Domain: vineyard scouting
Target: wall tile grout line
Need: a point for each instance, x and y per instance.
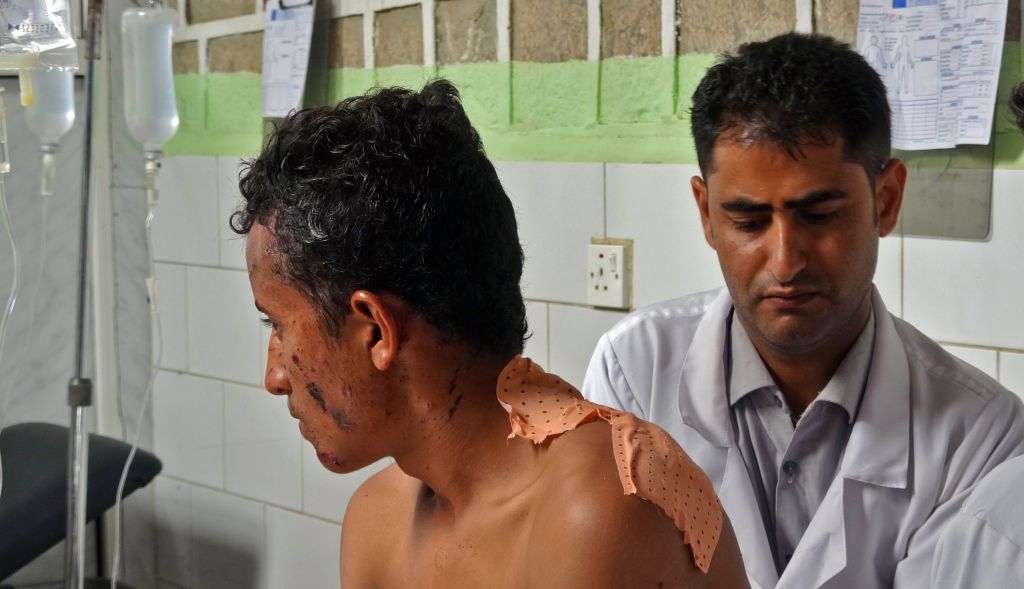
(199, 265)
(224, 435)
(594, 31)
(245, 498)
(427, 10)
(804, 16)
(203, 376)
(668, 28)
(503, 20)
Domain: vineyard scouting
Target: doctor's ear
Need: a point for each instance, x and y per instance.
(889, 186)
(700, 195)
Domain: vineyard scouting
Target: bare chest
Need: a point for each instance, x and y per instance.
(492, 551)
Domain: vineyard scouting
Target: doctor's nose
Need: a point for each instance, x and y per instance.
(276, 379)
(786, 256)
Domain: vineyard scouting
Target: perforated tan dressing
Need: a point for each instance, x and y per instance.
(651, 464)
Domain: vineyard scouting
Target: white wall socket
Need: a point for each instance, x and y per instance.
(610, 273)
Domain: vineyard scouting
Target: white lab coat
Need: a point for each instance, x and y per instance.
(984, 545)
(929, 427)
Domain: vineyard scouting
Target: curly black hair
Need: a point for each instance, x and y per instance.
(794, 90)
(1017, 105)
(392, 192)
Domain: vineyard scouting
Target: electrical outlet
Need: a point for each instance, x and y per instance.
(609, 273)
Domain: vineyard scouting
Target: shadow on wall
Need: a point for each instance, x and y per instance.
(234, 566)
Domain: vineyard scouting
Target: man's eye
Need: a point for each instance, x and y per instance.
(819, 218)
(749, 225)
(268, 323)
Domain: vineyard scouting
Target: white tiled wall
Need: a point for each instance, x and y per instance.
(244, 502)
(239, 504)
(223, 328)
(262, 454)
(559, 207)
(968, 291)
(670, 256)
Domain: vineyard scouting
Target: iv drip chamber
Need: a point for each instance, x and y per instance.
(149, 104)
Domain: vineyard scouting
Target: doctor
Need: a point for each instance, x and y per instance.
(840, 439)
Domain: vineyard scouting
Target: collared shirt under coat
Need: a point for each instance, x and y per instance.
(791, 465)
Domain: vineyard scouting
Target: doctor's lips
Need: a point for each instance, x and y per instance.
(789, 297)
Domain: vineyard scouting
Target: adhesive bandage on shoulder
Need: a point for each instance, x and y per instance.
(651, 464)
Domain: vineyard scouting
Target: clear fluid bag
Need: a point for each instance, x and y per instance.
(36, 34)
(149, 104)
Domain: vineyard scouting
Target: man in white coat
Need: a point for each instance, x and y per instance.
(840, 439)
(984, 546)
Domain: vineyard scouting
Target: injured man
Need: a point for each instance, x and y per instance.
(384, 253)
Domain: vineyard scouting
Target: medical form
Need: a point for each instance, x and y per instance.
(287, 34)
(940, 63)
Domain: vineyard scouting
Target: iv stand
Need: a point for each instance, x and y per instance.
(80, 388)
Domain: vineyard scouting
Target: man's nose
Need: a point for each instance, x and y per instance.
(788, 255)
(276, 379)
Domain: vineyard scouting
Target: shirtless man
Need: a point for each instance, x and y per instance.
(384, 253)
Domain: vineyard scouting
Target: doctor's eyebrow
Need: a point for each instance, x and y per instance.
(743, 204)
(816, 197)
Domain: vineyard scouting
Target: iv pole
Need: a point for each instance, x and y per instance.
(80, 388)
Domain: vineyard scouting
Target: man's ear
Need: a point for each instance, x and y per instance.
(375, 327)
(700, 194)
(889, 185)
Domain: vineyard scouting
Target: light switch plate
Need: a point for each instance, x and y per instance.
(610, 273)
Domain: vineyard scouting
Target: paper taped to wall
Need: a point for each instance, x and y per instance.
(940, 62)
(287, 34)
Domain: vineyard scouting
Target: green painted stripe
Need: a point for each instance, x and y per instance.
(617, 110)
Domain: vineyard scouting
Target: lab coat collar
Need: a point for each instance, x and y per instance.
(878, 452)
(705, 407)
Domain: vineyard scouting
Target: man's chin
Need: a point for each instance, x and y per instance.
(793, 335)
(333, 463)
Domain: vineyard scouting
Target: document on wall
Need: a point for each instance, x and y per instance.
(940, 62)
(287, 34)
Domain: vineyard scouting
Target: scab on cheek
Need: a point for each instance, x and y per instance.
(317, 395)
(342, 420)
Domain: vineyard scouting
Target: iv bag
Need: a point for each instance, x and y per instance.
(53, 113)
(149, 104)
(36, 34)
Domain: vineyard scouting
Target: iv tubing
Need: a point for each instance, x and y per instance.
(20, 370)
(152, 166)
(12, 296)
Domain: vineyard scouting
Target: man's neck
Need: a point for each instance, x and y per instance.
(801, 375)
(457, 441)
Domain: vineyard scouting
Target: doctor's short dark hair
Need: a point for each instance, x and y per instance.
(1017, 105)
(392, 192)
(794, 90)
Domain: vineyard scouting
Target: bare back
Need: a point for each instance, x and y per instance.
(572, 526)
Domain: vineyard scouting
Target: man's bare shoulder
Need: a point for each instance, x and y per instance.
(372, 523)
(615, 539)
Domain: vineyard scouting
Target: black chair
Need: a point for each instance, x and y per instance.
(33, 503)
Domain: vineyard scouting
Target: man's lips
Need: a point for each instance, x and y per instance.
(789, 299)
